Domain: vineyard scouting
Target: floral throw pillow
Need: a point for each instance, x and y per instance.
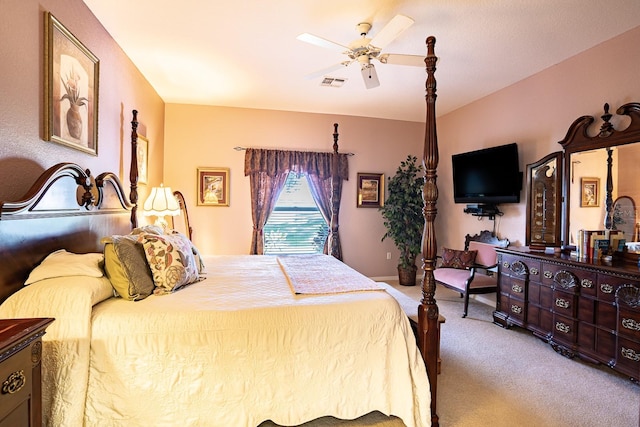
(452, 258)
(171, 261)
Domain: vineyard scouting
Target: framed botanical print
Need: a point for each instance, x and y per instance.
(370, 190)
(213, 186)
(71, 89)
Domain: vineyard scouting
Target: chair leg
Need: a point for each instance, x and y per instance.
(466, 305)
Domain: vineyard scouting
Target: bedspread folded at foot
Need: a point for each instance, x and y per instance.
(313, 277)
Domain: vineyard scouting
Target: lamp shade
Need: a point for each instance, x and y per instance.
(161, 202)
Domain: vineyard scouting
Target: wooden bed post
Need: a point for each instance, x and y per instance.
(428, 313)
(334, 238)
(133, 173)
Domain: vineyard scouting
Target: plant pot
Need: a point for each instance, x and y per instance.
(74, 121)
(407, 275)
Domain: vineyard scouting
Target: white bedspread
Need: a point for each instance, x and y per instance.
(239, 348)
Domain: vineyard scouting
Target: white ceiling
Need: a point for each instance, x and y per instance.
(244, 53)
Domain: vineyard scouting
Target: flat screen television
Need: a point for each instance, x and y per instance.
(488, 176)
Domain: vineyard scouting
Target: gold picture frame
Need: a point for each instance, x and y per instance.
(142, 155)
(71, 89)
(370, 190)
(589, 192)
(213, 186)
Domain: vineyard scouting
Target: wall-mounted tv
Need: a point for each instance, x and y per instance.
(488, 176)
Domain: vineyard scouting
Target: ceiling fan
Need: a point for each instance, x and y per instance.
(364, 49)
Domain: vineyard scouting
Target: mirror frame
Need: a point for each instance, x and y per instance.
(536, 236)
(577, 139)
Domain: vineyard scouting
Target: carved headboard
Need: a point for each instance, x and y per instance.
(66, 208)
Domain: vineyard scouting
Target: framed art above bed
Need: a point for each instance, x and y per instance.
(71, 89)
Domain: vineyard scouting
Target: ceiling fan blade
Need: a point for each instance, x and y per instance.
(393, 29)
(324, 71)
(370, 76)
(400, 59)
(319, 41)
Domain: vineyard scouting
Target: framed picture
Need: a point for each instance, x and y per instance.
(370, 190)
(142, 155)
(71, 89)
(590, 192)
(213, 186)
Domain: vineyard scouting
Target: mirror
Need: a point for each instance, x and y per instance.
(544, 183)
(592, 166)
(603, 164)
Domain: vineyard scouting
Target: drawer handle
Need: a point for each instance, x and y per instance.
(548, 275)
(505, 264)
(14, 382)
(631, 324)
(562, 303)
(533, 271)
(563, 327)
(606, 288)
(630, 354)
(516, 309)
(586, 283)
(516, 288)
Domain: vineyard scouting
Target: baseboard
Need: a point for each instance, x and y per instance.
(384, 278)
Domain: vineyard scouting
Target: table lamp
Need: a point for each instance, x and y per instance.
(161, 202)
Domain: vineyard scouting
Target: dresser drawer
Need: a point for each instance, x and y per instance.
(628, 357)
(607, 286)
(516, 266)
(629, 323)
(564, 329)
(565, 303)
(16, 381)
(514, 308)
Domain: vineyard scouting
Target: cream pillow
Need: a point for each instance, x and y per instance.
(63, 264)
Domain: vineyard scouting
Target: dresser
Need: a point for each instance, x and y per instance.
(20, 371)
(586, 309)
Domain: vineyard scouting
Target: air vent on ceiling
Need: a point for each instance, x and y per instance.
(333, 82)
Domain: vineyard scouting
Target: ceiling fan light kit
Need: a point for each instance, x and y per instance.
(364, 49)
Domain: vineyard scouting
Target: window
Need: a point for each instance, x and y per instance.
(296, 225)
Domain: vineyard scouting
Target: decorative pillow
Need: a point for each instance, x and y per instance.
(452, 258)
(194, 250)
(63, 264)
(171, 260)
(148, 229)
(126, 267)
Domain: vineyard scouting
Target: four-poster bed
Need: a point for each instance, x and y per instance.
(110, 369)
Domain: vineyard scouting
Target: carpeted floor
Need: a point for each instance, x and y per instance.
(508, 378)
(497, 377)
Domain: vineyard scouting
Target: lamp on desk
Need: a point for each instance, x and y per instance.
(161, 202)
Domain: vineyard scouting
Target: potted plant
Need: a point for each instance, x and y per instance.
(403, 217)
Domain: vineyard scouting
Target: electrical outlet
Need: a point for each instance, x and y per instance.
(388, 255)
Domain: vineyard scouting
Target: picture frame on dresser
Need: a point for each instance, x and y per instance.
(71, 89)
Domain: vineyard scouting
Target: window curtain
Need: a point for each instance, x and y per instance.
(268, 170)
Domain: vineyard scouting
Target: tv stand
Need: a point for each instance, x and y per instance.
(483, 210)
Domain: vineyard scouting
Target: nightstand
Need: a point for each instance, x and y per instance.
(20, 371)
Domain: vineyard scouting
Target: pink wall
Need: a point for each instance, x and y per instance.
(205, 136)
(23, 152)
(535, 113)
